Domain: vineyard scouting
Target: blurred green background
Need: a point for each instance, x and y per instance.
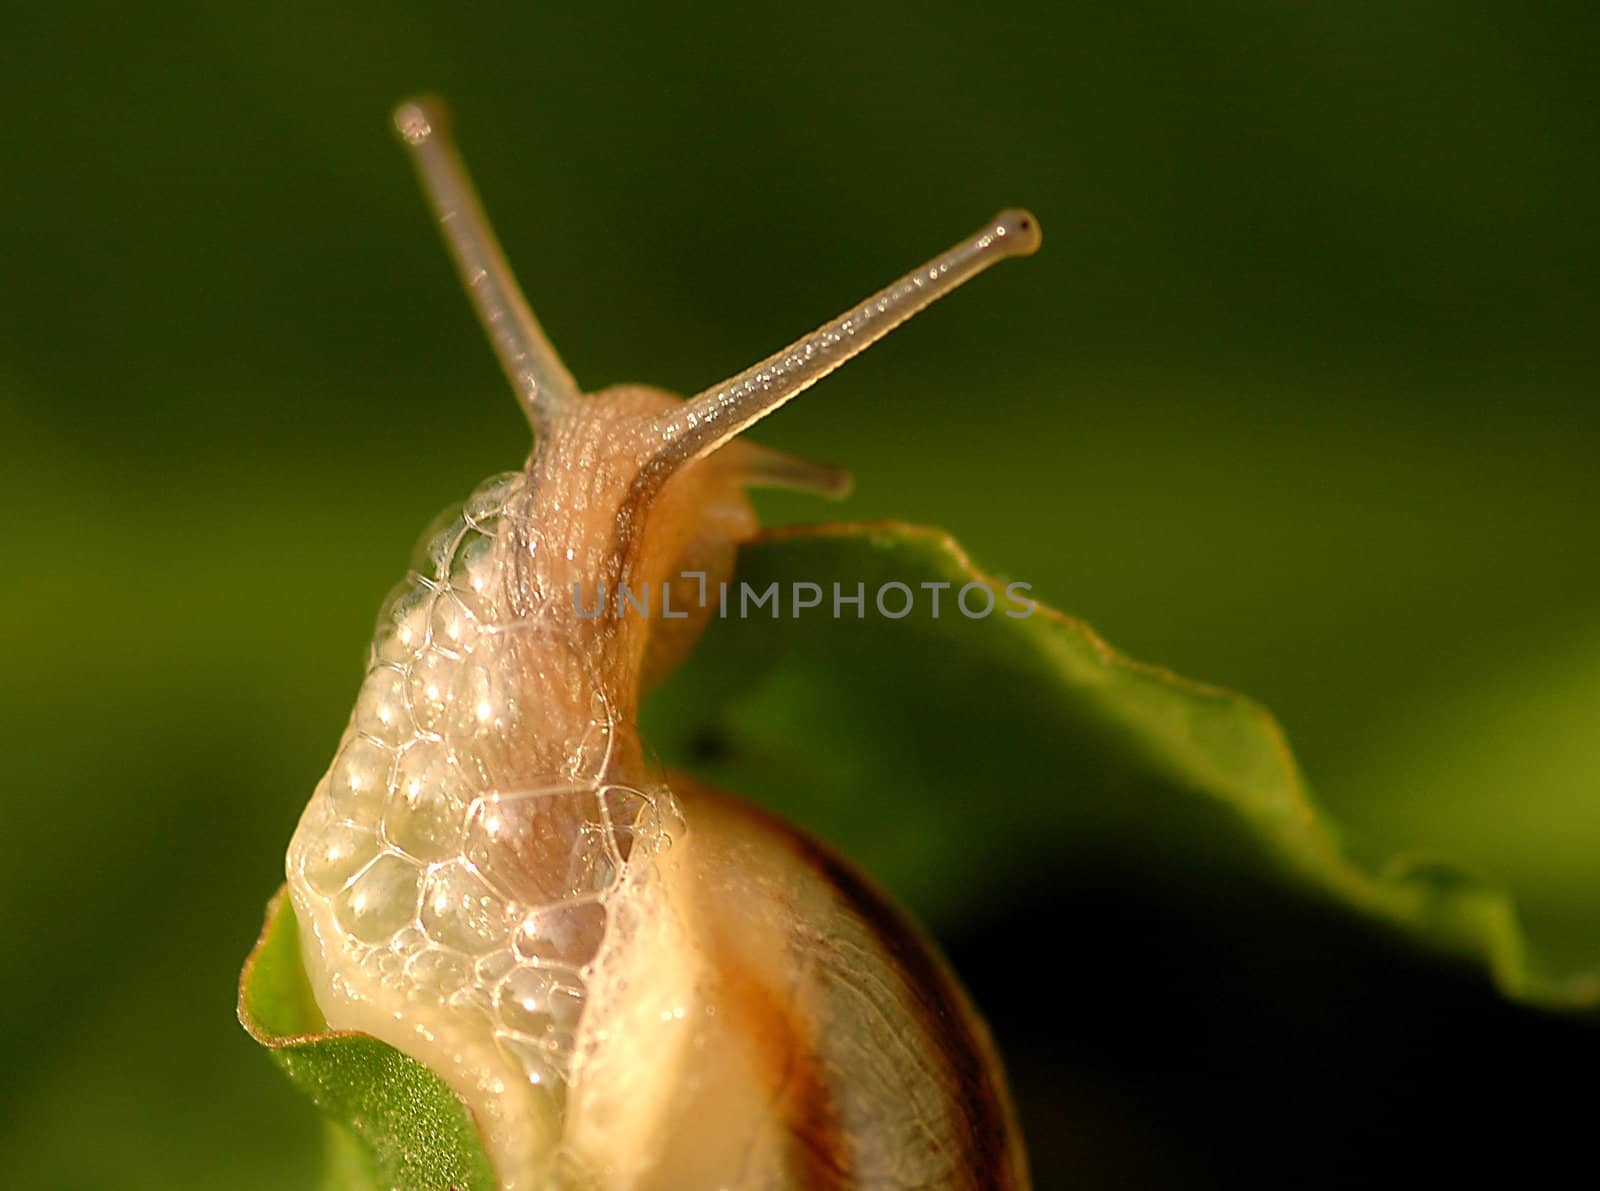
(1299, 397)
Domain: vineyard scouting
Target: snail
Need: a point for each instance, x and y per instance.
(629, 979)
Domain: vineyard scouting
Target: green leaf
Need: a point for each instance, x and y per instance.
(954, 749)
(397, 1124)
(925, 742)
(1492, 762)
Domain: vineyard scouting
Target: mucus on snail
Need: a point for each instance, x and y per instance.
(631, 981)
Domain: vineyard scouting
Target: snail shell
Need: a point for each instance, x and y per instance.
(633, 982)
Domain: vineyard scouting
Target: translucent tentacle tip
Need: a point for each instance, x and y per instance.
(417, 119)
(1016, 232)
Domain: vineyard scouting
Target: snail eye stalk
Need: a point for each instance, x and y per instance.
(543, 384)
(711, 418)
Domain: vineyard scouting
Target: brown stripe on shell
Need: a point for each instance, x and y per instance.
(803, 1099)
(988, 1148)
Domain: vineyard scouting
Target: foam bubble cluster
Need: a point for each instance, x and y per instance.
(458, 865)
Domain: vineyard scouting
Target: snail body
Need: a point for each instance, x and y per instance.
(630, 980)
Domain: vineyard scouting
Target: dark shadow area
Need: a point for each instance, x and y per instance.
(1244, 1041)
